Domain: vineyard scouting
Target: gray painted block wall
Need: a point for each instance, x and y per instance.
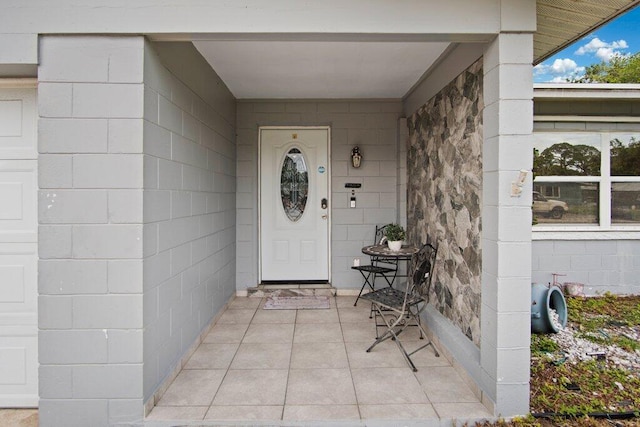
(371, 125)
(189, 206)
(136, 221)
(90, 225)
(601, 265)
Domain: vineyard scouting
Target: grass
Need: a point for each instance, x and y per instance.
(602, 320)
(572, 389)
(582, 388)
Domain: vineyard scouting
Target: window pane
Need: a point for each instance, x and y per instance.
(625, 202)
(565, 202)
(557, 154)
(294, 184)
(625, 155)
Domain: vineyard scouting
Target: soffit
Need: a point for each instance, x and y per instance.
(562, 22)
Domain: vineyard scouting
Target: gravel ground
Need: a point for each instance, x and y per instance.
(576, 348)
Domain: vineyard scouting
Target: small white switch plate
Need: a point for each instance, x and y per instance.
(356, 262)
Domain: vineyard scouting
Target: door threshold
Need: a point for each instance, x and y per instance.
(262, 290)
(294, 285)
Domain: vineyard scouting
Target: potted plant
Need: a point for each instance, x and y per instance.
(395, 235)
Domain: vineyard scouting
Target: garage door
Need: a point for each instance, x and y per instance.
(18, 246)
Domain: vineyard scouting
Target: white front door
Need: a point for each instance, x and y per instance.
(18, 248)
(294, 204)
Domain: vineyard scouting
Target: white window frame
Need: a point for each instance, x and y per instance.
(605, 229)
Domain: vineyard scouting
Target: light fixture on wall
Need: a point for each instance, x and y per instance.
(356, 157)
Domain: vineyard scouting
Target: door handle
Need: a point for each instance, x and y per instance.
(324, 203)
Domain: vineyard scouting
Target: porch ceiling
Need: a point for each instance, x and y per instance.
(320, 69)
(288, 68)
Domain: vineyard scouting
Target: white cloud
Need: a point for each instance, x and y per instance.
(563, 66)
(602, 50)
(540, 69)
(559, 71)
(559, 66)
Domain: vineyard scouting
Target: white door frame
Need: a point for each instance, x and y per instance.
(328, 129)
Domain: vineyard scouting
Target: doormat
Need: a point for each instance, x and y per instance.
(311, 302)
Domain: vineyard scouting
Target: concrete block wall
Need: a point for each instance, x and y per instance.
(188, 205)
(371, 125)
(601, 265)
(90, 226)
(136, 221)
(506, 237)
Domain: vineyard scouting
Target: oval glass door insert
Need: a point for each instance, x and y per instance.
(294, 184)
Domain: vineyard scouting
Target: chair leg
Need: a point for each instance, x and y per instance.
(393, 279)
(416, 316)
(366, 282)
(378, 313)
(402, 323)
(389, 333)
(423, 335)
(373, 288)
(360, 293)
(407, 356)
(429, 343)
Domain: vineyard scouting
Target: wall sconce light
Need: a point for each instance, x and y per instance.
(356, 157)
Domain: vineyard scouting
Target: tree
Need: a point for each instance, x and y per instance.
(625, 158)
(564, 159)
(620, 69)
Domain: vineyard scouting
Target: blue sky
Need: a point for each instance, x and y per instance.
(620, 36)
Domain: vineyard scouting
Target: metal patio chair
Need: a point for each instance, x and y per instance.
(377, 267)
(397, 309)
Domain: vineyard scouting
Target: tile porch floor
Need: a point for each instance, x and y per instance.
(281, 367)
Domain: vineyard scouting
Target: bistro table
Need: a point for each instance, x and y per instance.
(405, 253)
(382, 253)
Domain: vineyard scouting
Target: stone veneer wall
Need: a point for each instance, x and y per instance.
(444, 195)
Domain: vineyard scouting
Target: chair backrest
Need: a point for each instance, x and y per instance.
(422, 268)
(379, 233)
(388, 262)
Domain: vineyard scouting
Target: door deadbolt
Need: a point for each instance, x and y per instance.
(324, 203)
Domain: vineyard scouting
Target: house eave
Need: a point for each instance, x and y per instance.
(570, 91)
(562, 22)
